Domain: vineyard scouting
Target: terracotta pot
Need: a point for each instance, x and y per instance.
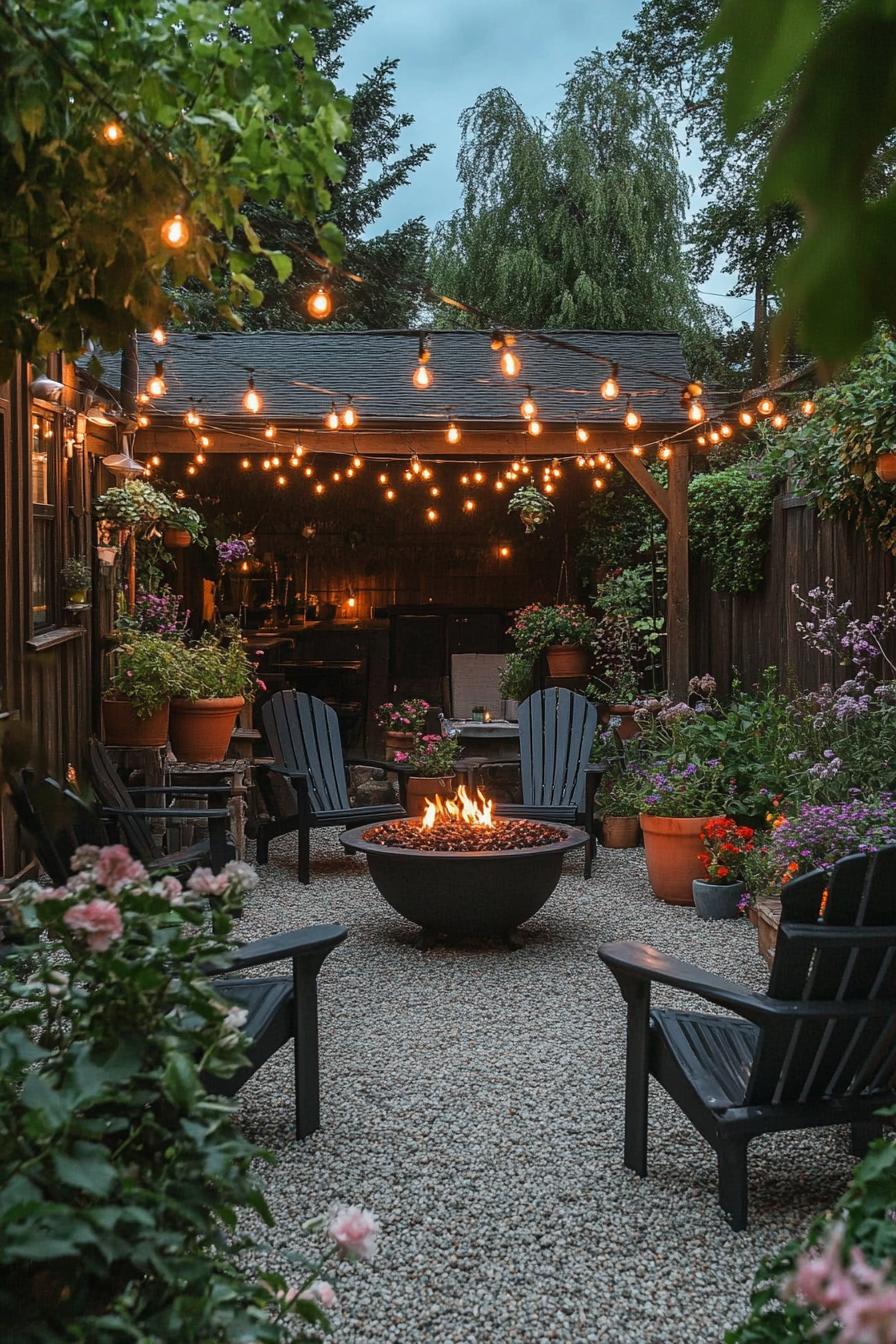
(201, 729)
(397, 742)
(620, 832)
(176, 538)
(122, 727)
(566, 661)
(628, 725)
(421, 787)
(886, 467)
(671, 846)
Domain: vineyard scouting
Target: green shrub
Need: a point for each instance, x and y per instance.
(730, 512)
(146, 671)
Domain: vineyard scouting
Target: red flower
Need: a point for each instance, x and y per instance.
(722, 871)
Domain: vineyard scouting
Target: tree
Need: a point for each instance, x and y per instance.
(393, 263)
(831, 72)
(116, 119)
(576, 221)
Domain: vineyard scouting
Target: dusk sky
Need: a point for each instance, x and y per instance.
(450, 51)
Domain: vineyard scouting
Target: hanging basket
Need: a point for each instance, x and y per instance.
(176, 538)
(885, 466)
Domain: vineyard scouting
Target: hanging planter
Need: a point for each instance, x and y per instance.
(885, 466)
(533, 507)
(176, 538)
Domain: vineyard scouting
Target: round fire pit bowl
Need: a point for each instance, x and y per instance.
(486, 892)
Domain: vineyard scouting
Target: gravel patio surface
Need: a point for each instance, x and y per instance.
(472, 1097)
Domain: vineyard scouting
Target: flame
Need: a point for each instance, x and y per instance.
(470, 811)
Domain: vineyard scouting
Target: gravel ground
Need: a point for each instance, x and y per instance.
(472, 1097)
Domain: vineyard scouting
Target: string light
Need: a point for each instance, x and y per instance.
(252, 401)
(266, 464)
(556, 469)
(422, 377)
(408, 475)
(390, 495)
(715, 436)
(452, 433)
(432, 515)
(159, 336)
(357, 462)
(319, 304)
(701, 440)
(665, 452)
(599, 483)
(293, 461)
(275, 461)
(499, 484)
(383, 478)
(143, 420)
(534, 428)
(609, 388)
(528, 408)
(319, 488)
(807, 407)
(175, 232)
(192, 417)
(270, 431)
(157, 387)
(694, 389)
(582, 434)
(336, 477)
(464, 479)
(504, 552)
(246, 464)
(469, 505)
(309, 472)
(426, 473)
(434, 491)
(778, 421)
(696, 412)
(548, 487)
(590, 462)
(143, 398)
(765, 406)
(478, 476)
(580, 461)
(331, 419)
(156, 460)
(113, 132)
(725, 430)
(349, 415)
(746, 418)
(632, 419)
(281, 480)
(602, 459)
(205, 441)
(191, 469)
(637, 450)
(510, 364)
(416, 465)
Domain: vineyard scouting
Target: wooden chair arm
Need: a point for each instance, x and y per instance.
(170, 813)
(390, 766)
(316, 939)
(181, 790)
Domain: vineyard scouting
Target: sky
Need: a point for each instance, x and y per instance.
(450, 51)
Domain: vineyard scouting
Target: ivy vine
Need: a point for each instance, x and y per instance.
(730, 513)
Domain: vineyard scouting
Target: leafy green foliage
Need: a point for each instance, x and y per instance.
(121, 1176)
(729, 515)
(214, 667)
(838, 117)
(211, 115)
(146, 672)
(832, 456)
(573, 222)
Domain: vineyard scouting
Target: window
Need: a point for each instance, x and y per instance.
(43, 510)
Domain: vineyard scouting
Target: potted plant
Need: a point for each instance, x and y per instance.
(676, 803)
(885, 466)
(133, 506)
(533, 507)
(431, 763)
(136, 702)
(214, 680)
(401, 724)
(182, 526)
(76, 580)
(619, 802)
(725, 847)
(515, 682)
(564, 633)
(628, 636)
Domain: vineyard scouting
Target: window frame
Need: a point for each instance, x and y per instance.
(50, 516)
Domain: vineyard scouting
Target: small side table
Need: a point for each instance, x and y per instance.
(238, 773)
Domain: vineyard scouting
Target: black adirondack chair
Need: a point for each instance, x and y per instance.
(303, 734)
(129, 821)
(54, 821)
(557, 729)
(819, 1048)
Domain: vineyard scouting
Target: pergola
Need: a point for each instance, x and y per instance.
(302, 377)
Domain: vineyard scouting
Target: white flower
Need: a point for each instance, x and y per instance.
(243, 875)
(235, 1018)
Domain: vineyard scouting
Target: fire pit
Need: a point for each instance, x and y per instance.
(460, 870)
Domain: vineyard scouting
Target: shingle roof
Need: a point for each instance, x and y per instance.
(299, 374)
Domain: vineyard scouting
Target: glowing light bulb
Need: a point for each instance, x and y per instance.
(143, 420)
(534, 428)
(319, 488)
(349, 415)
(701, 440)
(159, 336)
(452, 433)
(765, 406)
(434, 491)
(175, 232)
(337, 477)
(266, 464)
(510, 364)
(632, 419)
(778, 421)
(113, 132)
(270, 431)
(582, 434)
(469, 505)
(383, 478)
(695, 389)
(156, 460)
(637, 450)
(580, 461)
(591, 462)
(299, 450)
(275, 461)
(191, 469)
(416, 466)
(357, 462)
(725, 430)
(281, 480)
(319, 304)
(408, 475)
(746, 418)
(157, 387)
(331, 419)
(499, 484)
(548, 487)
(715, 436)
(696, 412)
(504, 552)
(143, 398)
(390, 495)
(665, 452)
(246, 464)
(432, 515)
(426, 473)
(528, 408)
(422, 377)
(598, 483)
(609, 388)
(349, 471)
(807, 407)
(252, 401)
(192, 418)
(464, 480)
(602, 459)
(293, 461)
(478, 477)
(309, 472)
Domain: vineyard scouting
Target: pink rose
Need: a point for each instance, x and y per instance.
(401, 757)
(321, 1292)
(99, 919)
(204, 882)
(170, 888)
(115, 869)
(354, 1230)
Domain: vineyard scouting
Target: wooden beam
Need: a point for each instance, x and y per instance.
(677, 592)
(649, 484)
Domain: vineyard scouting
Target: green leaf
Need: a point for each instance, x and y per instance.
(86, 1167)
(768, 41)
(281, 263)
(38, 1095)
(180, 1081)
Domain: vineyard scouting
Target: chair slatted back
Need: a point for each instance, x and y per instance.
(54, 821)
(836, 944)
(303, 734)
(113, 792)
(557, 730)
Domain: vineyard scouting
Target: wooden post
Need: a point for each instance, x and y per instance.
(677, 601)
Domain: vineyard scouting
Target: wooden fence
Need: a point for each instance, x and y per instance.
(747, 634)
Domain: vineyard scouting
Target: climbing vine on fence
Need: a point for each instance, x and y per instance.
(730, 513)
